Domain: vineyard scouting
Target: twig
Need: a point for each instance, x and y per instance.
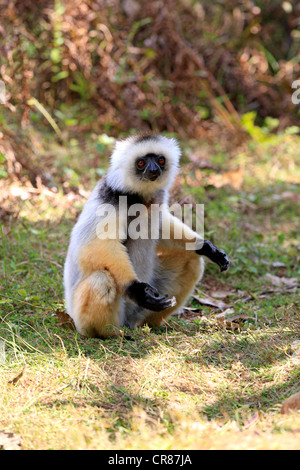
(17, 378)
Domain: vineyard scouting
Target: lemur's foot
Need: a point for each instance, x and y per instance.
(222, 260)
(214, 254)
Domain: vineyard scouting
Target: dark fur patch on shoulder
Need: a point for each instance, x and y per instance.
(110, 196)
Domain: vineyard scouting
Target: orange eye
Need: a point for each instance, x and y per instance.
(161, 161)
(140, 163)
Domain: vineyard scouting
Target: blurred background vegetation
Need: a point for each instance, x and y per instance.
(183, 66)
(79, 73)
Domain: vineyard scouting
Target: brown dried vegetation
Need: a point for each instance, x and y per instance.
(149, 65)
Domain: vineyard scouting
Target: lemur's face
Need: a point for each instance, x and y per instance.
(144, 164)
(150, 167)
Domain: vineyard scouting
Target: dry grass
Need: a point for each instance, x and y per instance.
(177, 390)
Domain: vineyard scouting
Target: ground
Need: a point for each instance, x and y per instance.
(215, 376)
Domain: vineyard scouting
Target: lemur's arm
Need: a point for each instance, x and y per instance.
(179, 235)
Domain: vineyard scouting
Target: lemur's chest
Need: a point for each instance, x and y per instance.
(142, 239)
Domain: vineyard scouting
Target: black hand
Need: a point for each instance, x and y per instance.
(147, 296)
(214, 254)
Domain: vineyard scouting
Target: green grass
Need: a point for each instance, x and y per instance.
(197, 383)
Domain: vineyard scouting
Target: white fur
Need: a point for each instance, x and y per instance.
(104, 286)
(121, 175)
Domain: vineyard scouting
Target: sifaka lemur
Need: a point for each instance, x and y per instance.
(121, 279)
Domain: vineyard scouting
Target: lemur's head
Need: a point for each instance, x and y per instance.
(143, 164)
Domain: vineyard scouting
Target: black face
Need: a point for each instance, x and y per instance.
(150, 166)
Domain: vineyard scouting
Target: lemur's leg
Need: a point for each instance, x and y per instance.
(108, 274)
(96, 306)
(176, 275)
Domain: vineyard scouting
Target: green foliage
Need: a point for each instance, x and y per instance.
(56, 52)
(86, 90)
(263, 134)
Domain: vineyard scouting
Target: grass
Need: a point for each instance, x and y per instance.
(197, 383)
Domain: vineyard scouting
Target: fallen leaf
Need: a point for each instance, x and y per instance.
(275, 264)
(191, 309)
(211, 302)
(189, 313)
(228, 311)
(238, 316)
(221, 318)
(291, 403)
(221, 294)
(280, 281)
(240, 293)
(65, 320)
(278, 264)
(17, 378)
(291, 195)
(266, 293)
(230, 325)
(9, 441)
(234, 321)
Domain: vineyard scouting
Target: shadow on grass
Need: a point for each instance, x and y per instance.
(31, 283)
(234, 406)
